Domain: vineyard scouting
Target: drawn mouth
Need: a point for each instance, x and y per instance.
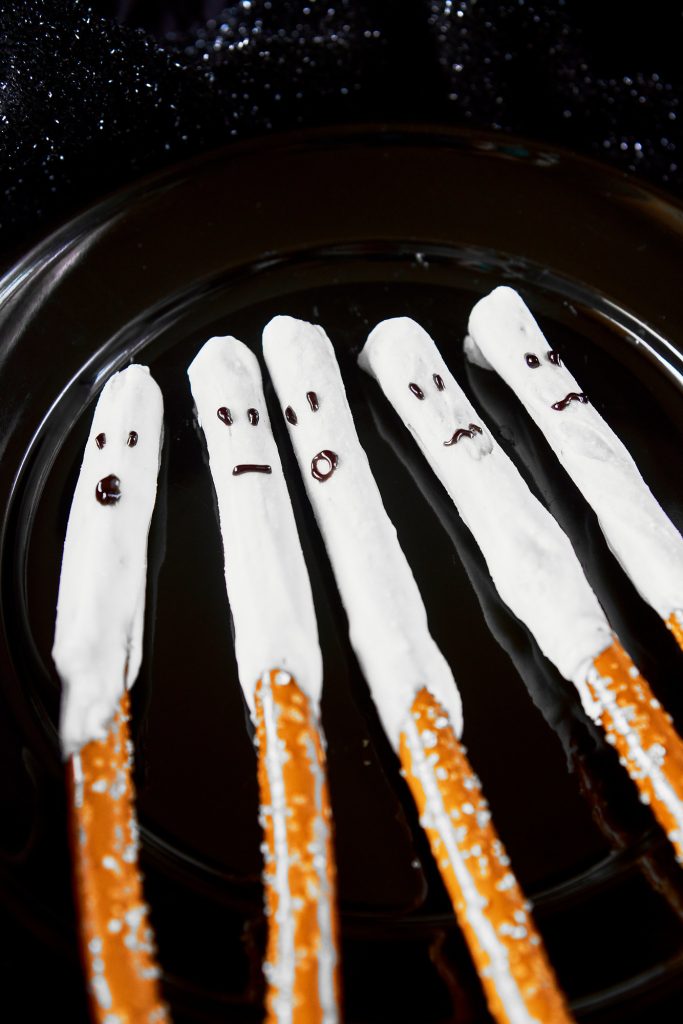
(250, 467)
(108, 490)
(463, 432)
(573, 396)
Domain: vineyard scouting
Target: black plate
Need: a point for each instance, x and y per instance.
(346, 227)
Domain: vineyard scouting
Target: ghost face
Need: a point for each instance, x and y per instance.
(226, 384)
(123, 447)
(108, 489)
(324, 463)
(304, 370)
(411, 372)
(534, 361)
(508, 337)
(251, 416)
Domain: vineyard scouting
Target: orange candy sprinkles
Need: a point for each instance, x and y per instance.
(489, 905)
(116, 938)
(301, 965)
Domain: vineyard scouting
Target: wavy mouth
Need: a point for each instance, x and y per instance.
(573, 396)
(462, 432)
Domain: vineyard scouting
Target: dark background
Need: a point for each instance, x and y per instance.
(94, 95)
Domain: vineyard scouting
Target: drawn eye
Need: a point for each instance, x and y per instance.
(224, 415)
(253, 416)
(291, 416)
(438, 380)
(531, 360)
(132, 439)
(313, 400)
(417, 391)
(554, 357)
(101, 440)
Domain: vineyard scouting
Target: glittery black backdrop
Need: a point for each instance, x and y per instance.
(93, 95)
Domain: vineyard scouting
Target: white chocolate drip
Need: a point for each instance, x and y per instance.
(387, 619)
(530, 559)
(636, 528)
(265, 573)
(100, 608)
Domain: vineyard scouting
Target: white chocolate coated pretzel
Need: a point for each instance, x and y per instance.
(280, 670)
(265, 573)
(387, 619)
(636, 528)
(530, 559)
(408, 676)
(100, 609)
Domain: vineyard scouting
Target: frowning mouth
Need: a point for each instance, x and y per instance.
(573, 396)
(463, 432)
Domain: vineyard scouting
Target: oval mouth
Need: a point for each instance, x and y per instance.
(324, 464)
(108, 490)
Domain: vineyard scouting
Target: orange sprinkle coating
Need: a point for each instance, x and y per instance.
(648, 745)
(518, 981)
(301, 964)
(675, 624)
(116, 938)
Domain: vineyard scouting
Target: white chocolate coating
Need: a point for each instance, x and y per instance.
(265, 573)
(636, 528)
(387, 619)
(530, 559)
(100, 609)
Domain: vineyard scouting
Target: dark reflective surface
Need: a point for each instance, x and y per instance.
(153, 278)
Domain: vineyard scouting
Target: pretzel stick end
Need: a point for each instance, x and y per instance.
(301, 964)
(641, 730)
(489, 905)
(117, 942)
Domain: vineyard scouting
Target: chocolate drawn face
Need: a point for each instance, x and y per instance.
(325, 463)
(553, 356)
(108, 488)
(251, 417)
(461, 433)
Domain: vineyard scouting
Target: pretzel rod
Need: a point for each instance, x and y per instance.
(295, 815)
(504, 336)
(275, 625)
(553, 700)
(528, 556)
(97, 651)
(488, 902)
(116, 938)
(388, 629)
